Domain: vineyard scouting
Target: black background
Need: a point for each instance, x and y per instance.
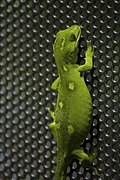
(27, 70)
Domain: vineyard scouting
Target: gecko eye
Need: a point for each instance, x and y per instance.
(73, 37)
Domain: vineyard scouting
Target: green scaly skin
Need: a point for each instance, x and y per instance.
(73, 112)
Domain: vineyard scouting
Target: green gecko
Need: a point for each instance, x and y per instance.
(72, 117)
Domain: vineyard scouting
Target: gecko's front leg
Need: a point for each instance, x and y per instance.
(88, 59)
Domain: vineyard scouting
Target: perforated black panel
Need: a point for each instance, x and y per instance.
(27, 70)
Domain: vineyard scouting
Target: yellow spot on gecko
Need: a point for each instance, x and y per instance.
(71, 86)
(58, 125)
(65, 69)
(61, 104)
(63, 43)
(70, 129)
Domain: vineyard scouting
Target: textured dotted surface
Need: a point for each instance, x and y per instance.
(27, 70)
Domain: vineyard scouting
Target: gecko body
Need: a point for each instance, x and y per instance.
(72, 117)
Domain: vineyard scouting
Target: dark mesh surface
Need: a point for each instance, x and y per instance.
(27, 70)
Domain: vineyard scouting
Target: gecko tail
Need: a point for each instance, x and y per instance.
(61, 168)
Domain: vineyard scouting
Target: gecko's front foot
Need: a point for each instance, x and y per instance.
(90, 51)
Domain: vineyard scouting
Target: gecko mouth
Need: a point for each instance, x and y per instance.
(78, 41)
(76, 47)
(78, 36)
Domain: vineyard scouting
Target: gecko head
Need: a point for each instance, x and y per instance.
(65, 47)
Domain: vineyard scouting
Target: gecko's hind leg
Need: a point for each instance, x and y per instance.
(85, 160)
(52, 115)
(53, 124)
